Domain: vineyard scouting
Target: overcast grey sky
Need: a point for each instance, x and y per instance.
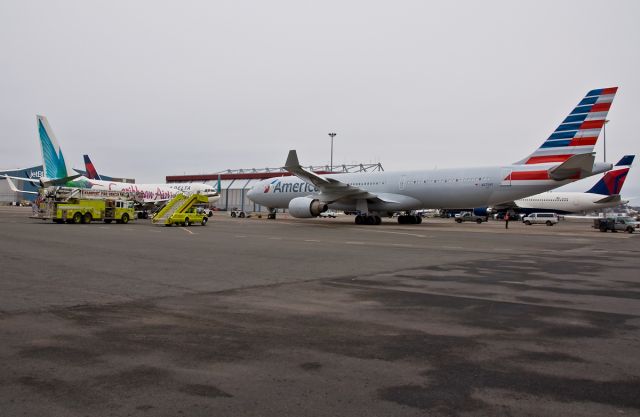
(152, 88)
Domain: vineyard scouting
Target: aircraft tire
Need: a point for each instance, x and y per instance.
(359, 219)
(370, 220)
(378, 220)
(418, 220)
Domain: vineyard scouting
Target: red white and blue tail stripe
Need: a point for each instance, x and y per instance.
(577, 134)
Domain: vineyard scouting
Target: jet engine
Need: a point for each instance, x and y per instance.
(305, 207)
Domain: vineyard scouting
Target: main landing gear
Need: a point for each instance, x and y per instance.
(409, 219)
(371, 219)
(272, 214)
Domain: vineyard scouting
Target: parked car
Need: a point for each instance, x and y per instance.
(541, 218)
(467, 216)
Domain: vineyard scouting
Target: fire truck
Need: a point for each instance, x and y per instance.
(77, 205)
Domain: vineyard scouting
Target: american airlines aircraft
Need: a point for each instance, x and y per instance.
(604, 194)
(57, 173)
(565, 156)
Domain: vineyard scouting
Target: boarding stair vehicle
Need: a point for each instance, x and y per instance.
(615, 224)
(183, 210)
(76, 205)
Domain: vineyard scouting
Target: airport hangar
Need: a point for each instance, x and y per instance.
(234, 184)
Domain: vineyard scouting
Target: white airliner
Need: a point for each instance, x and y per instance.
(604, 194)
(57, 173)
(566, 156)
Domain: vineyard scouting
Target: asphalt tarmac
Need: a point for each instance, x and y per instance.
(320, 317)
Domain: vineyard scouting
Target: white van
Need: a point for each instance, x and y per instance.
(541, 218)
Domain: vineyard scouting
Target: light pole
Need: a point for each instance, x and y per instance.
(604, 139)
(333, 135)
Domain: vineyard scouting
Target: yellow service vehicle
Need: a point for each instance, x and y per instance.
(86, 211)
(183, 210)
(75, 205)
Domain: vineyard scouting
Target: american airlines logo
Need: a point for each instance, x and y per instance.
(277, 186)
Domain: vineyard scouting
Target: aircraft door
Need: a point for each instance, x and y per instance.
(403, 182)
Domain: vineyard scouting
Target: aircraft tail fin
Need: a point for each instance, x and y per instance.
(578, 132)
(92, 174)
(611, 183)
(54, 165)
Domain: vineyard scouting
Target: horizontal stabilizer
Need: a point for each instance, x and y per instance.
(615, 198)
(577, 166)
(59, 181)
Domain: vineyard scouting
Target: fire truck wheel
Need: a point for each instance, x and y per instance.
(77, 218)
(87, 218)
(125, 218)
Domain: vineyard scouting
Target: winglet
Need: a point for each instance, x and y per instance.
(12, 186)
(292, 160)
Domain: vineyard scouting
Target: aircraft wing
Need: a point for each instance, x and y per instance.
(15, 189)
(331, 190)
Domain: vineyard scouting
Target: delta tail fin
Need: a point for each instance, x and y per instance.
(611, 183)
(53, 163)
(578, 132)
(92, 174)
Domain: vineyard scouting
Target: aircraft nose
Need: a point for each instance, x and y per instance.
(251, 192)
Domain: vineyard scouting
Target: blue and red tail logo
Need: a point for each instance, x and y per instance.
(613, 180)
(92, 174)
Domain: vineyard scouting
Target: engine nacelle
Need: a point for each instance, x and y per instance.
(305, 207)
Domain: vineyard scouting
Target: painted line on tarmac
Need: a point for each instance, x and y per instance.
(312, 240)
(188, 231)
